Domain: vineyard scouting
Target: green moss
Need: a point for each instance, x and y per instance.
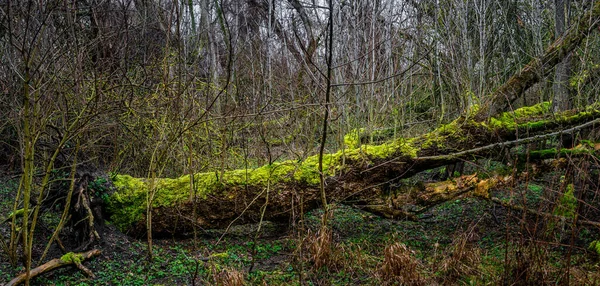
(220, 255)
(402, 146)
(546, 153)
(595, 246)
(568, 203)
(553, 152)
(532, 117)
(72, 258)
(128, 205)
(352, 139)
(510, 120)
(438, 137)
(276, 172)
(579, 78)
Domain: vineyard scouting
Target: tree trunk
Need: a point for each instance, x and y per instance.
(360, 175)
(561, 100)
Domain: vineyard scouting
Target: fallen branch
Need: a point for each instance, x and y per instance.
(544, 214)
(67, 259)
(426, 196)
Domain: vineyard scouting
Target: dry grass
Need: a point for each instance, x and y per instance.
(531, 265)
(351, 259)
(463, 259)
(585, 276)
(319, 247)
(229, 277)
(401, 267)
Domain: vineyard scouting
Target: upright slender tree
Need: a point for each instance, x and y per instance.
(562, 99)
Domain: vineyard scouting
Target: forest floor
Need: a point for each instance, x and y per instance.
(467, 241)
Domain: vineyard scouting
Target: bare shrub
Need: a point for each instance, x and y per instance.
(530, 264)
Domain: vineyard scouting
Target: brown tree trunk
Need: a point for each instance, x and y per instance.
(561, 99)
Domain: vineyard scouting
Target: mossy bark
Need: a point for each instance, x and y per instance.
(357, 175)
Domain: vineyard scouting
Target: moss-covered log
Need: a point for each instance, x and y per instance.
(358, 174)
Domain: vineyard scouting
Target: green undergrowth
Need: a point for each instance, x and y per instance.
(459, 242)
(567, 204)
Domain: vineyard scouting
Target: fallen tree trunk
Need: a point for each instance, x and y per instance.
(67, 259)
(354, 174)
(360, 175)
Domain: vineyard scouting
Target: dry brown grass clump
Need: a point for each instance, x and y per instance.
(401, 267)
(463, 259)
(319, 247)
(583, 276)
(229, 277)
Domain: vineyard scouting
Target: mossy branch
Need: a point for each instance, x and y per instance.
(67, 259)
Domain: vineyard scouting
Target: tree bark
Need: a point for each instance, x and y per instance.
(561, 100)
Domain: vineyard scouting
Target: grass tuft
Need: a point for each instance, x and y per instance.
(401, 266)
